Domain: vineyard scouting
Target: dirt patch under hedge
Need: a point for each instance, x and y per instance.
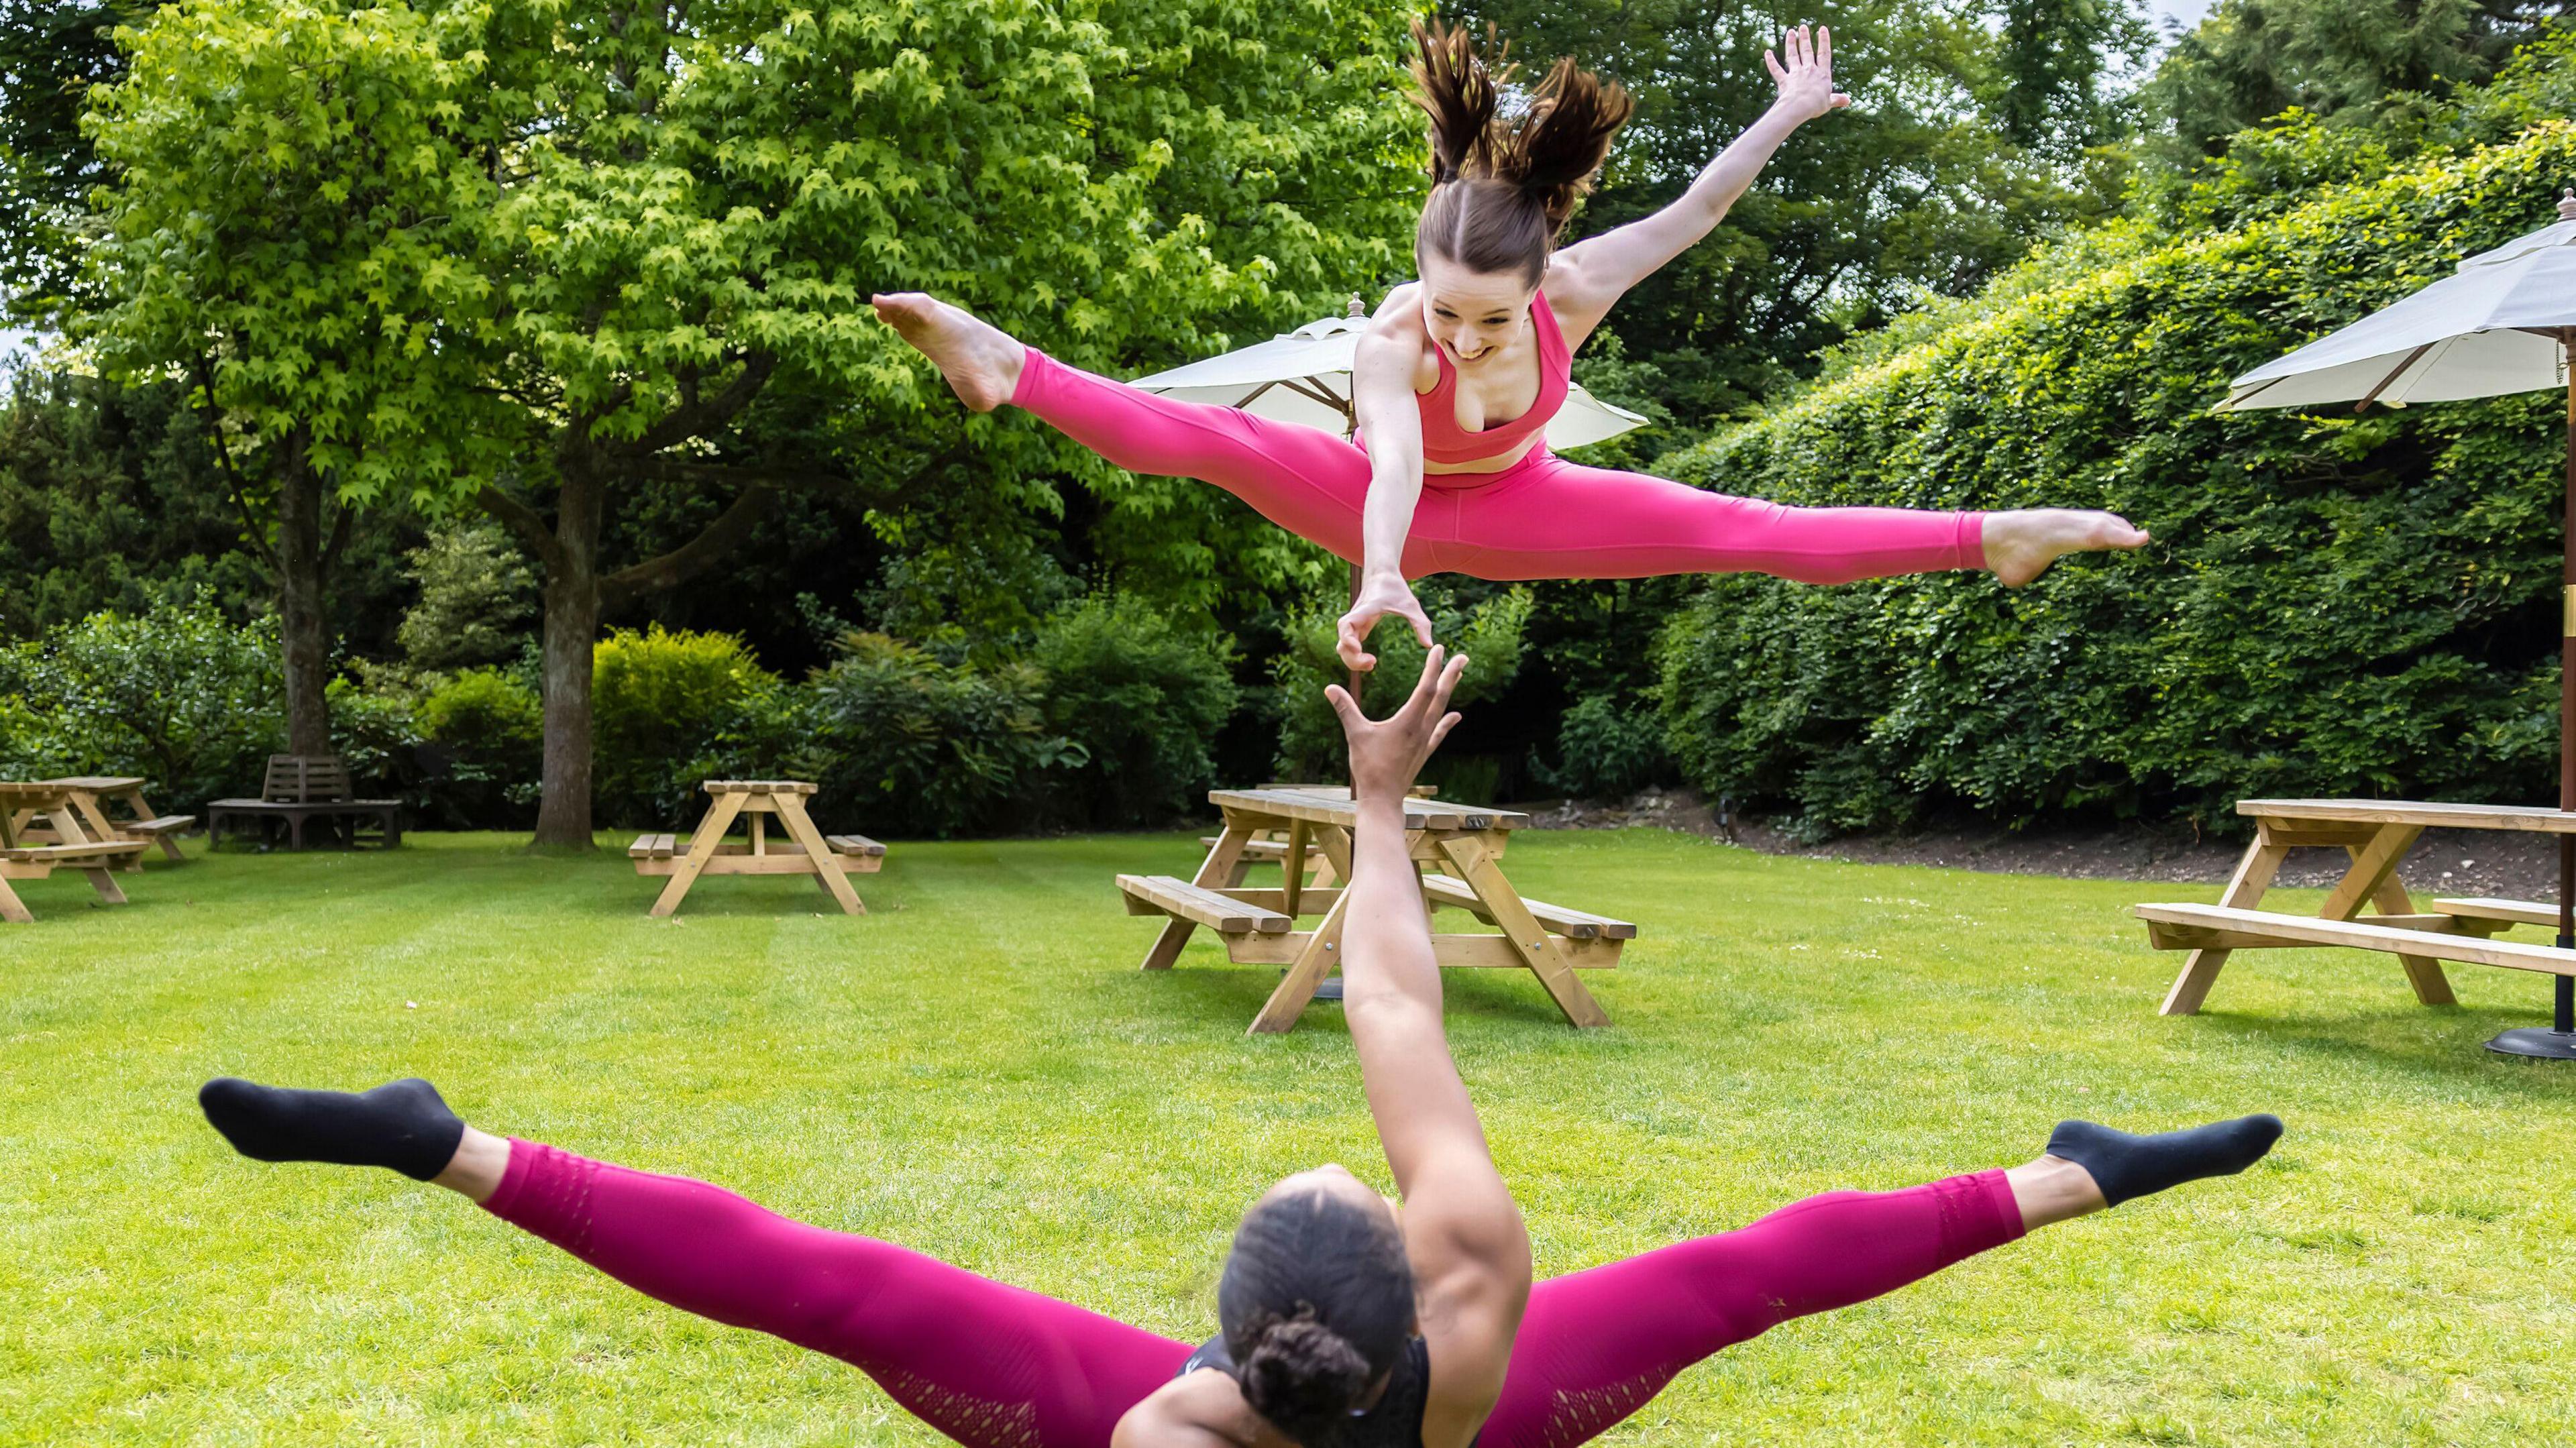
(2443, 862)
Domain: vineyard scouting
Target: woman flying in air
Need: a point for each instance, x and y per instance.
(1459, 373)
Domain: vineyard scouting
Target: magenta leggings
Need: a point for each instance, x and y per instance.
(1543, 517)
(999, 1367)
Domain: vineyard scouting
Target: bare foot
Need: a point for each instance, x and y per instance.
(2021, 544)
(981, 362)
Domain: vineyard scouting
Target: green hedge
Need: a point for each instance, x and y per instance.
(2334, 604)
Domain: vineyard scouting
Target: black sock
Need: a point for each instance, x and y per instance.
(2126, 1166)
(402, 1124)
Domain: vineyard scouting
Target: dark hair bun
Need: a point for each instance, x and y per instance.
(1303, 1377)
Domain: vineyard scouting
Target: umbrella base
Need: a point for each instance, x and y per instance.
(2537, 1043)
(2558, 1043)
(1327, 989)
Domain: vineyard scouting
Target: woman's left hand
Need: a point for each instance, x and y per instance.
(1807, 81)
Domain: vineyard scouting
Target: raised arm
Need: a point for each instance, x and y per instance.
(1469, 1249)
(1585, 278)
(1383, 374)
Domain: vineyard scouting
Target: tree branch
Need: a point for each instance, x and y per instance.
(525, 521)
(339, 539)
(691, 558)
(694, 416)
(686, 470)
(255, 535)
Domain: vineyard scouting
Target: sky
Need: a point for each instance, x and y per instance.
(2188, 12)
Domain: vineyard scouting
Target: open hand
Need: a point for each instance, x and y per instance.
(1386, 754)
(1807, 81)
(1380, 594)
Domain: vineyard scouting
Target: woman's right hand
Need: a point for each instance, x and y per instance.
(1380, 594)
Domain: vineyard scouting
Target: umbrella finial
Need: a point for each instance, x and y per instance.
(1360, 309)
(2567, 204)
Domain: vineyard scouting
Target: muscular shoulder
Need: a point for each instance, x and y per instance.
(1202, 1410)
(1395, 338)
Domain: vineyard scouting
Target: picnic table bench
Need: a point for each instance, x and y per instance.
(806, 850)
(2375, 835)
(47, 809)
(302, 787)
(90, 796)
(1456, 851)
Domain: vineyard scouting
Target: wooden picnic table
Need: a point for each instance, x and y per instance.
(91, 794)
(806, 850)
(1456, 850)
(45, 810)
(2375, 835)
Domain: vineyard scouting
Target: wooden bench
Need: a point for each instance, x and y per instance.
(301, 787)
(1449, 892)
(2220, 927)
(658, 854)
(1178, 898)
(98, 859)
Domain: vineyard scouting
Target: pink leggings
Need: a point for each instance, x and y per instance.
(998, 1367)
(1542, 517)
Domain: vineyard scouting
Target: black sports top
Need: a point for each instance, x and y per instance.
(1395, 1421)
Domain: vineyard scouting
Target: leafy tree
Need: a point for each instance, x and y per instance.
(2051, 62)
(475, 593)
(706, 200)
(2251, 60)
(180, 694)
(275, 234)
(106, 504)
(51, 53)
(1912, 192)
(599, 237)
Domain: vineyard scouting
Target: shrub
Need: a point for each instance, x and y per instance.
(2335, 604)
(486, 729)
(179, 695)
(1608, 748)
(908, 744)
(656, 698)
(1141, 700)
(1484, 625)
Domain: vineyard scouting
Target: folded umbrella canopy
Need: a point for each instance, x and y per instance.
(2504, 322)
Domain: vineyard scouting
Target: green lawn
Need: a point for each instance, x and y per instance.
(976, 1070)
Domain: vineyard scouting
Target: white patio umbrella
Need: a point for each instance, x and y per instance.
(1305, 376)
(2504, 322)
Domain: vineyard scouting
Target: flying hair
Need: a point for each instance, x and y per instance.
(1504, 187)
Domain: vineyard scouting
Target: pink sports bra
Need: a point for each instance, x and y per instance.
(1444, 441)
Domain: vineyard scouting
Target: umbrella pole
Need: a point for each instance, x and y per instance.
(2558, 1043)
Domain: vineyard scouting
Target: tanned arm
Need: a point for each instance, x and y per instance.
(1383, 373)
(1462, 1231)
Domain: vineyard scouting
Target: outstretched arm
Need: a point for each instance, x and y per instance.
(1469, 1249)
(1585, 278)
(1383, 372)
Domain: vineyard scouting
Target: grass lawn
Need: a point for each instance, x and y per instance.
(976, 1070)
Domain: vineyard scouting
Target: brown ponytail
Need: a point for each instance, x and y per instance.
(1503, 189)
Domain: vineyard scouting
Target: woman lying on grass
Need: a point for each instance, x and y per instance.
(1349, 1320)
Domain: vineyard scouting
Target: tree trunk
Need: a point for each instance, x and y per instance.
(571, 627)
(299, 602)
